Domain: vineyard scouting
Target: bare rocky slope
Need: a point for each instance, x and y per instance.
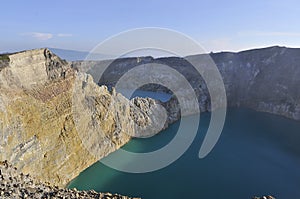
(14, 184)
(262, 79)
(56, 122)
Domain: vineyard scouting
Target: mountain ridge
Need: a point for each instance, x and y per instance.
(262, 79)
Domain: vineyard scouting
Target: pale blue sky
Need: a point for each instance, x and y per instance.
(217, 25)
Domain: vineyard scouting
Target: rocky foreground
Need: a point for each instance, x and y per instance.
(264, 197)
(15, 184)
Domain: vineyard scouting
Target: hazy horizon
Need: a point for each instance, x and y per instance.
(143, 54)
(215, 25)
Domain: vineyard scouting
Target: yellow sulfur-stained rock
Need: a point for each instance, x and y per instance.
(55, 122)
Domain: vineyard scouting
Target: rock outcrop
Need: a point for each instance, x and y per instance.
(15, 184)
(262, 79)
(55, 122)
(264, 197)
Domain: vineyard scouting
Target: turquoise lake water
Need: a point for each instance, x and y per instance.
(257, 154)
(140, 93)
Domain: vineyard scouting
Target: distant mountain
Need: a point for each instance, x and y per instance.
(73, 55)
(265, 79)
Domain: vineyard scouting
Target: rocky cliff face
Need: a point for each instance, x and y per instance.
(263, 79)
(55, 122)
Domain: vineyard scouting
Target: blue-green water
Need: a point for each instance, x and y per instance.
(257, 154)
(162, 96)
